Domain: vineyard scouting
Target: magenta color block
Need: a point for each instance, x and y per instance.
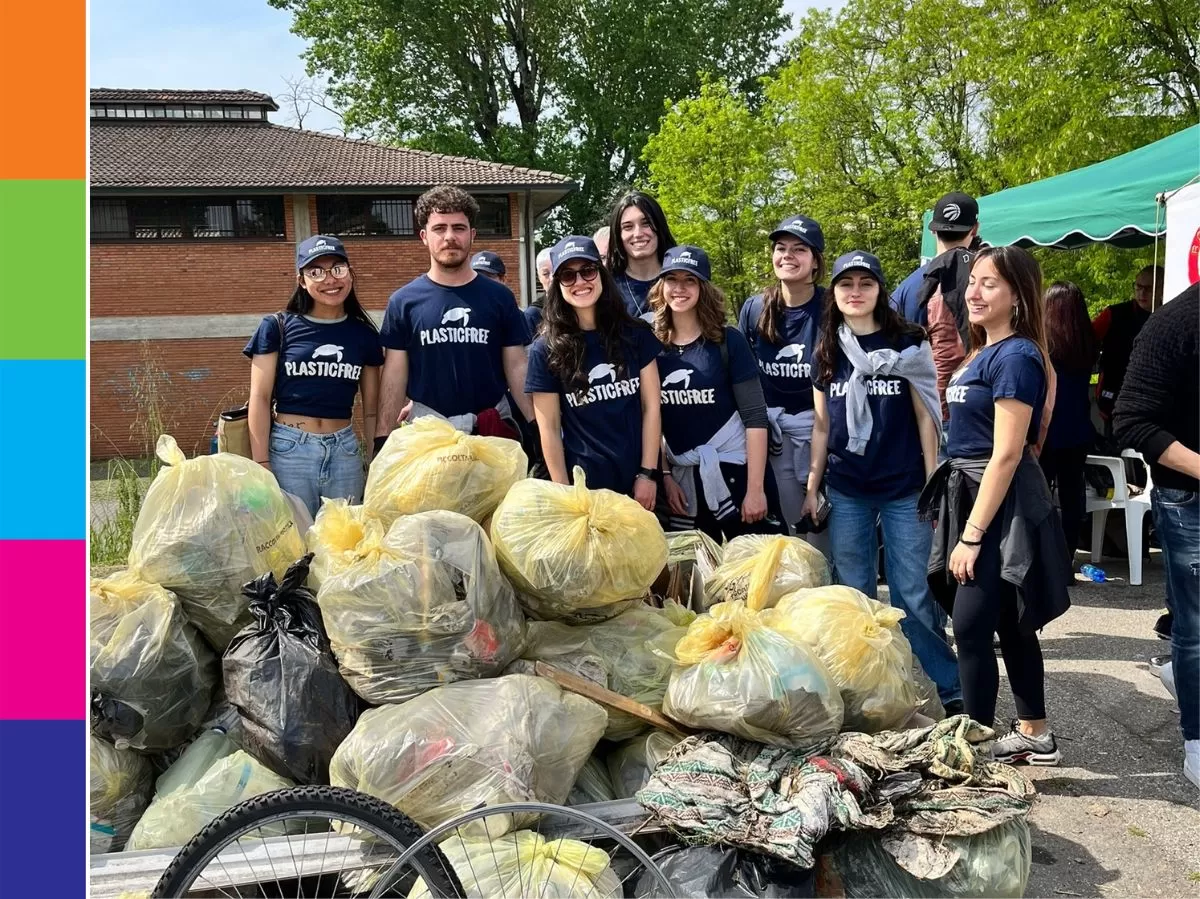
(43, 623)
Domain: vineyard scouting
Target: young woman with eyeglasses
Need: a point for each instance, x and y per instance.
(593, 379)
(302, 401)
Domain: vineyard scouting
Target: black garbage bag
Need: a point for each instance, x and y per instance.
(281, 676)
(708, 872)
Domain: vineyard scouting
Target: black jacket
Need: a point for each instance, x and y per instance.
(1033, 550)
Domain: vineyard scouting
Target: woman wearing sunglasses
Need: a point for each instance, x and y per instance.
(593, 379)
(302, 399)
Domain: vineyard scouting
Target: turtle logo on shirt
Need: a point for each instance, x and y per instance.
(328, 349)
(791, 351)
(787, 363)
(679, 376)
(602, 371)
(461, 314)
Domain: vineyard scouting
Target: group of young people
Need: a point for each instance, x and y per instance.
(823, 413)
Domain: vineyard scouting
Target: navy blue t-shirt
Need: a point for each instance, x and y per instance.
(697, 391)
(786, 368)
(1071, 423)
(322, 362)
(892, 465)
(904, 298)
(634, 294)
(533, 320)
(1010, 369)
(454, 337)
(602, 426)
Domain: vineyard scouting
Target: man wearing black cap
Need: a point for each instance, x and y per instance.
(955, 225)
(489, 265)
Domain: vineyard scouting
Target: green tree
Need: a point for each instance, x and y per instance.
(575, 87)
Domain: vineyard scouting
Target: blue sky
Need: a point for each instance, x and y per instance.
(214, 44)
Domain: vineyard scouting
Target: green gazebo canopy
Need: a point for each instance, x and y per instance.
(1114, 201)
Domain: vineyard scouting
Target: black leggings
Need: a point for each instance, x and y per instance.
(733, 526)
(1064, 469)
(984, 606)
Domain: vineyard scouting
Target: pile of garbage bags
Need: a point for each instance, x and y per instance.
(207, 526)
(860, 641)
(759, 570)
(576, 555)
(631, 763)
(151, 674)
(722, 872)
(122, 783)
(420, 605)
(741, 673)
(429, 465)
(514, 738)
(333, 539)
(295, 708)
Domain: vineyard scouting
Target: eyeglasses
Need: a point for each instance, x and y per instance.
(316, 273)
(588, 272)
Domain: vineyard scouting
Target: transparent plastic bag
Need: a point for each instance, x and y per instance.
(508, 739)
(525, 865)
(593, 783)
(574, 554)
(427, 465)
(174, 818)
(631, 763)
(201, 754)
(333, 538)
(860, 641)
(421, 606)
(152, 676)
(208, 526)
(121, 784)
(994, 863)
(759, 570)
(740, 676)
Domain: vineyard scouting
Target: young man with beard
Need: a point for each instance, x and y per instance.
(455, 339)
(639, 237)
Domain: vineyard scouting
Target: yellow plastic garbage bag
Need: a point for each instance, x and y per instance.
(759, 570)
(484, 742)
(152, 676)
(429, 465)
(421, 605)
(121, 784)
(860, 641)
(738, 675)
(574, 554)
(631, 763)
(208, 526)
(525, 865)
(333, 539)
(174, 818)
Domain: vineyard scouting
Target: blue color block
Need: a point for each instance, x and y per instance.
(43, 440)
(43, 798)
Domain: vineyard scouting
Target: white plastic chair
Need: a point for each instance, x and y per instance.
(1135, 505)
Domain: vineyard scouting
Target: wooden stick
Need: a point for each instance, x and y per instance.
(593, 691)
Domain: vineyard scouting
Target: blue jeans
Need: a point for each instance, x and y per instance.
(906, 545)
(310, 466)
(1177, 519)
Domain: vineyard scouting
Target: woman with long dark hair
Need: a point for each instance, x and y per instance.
(306, 366)
(593, 379)
(638, 238)
(1073, 352)
(998, 534)
(782, 325)
(714, 418)
(876, 431)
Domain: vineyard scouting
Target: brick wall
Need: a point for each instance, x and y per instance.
(192, 380)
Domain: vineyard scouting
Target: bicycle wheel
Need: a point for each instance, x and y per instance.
(564, 852)
(314, 842)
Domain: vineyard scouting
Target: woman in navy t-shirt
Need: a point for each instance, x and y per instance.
(714, 418)
(782, 325)
(875, 441)
(996, 518)
(593, 379)
(301, 401)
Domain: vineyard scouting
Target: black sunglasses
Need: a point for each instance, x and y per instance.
(588, 272)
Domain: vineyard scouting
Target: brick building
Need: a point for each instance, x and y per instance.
(197, 204)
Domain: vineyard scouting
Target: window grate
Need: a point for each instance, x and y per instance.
(187, 218)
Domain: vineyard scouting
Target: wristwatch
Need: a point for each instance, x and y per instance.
(649, 474)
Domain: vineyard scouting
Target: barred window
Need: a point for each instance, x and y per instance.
(186, 218)
(494, 219)
(358, 215)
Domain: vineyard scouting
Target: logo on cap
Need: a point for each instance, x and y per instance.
(858, 260)
(951, 212)
(570, 245)
(686, 254)
(798, 225)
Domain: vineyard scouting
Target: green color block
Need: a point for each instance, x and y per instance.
(43, 232)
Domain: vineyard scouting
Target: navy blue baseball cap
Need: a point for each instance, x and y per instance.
(687, 258)
(574, 247)
(318, 245)
(857, 261)
(487, 261)
(804, 229)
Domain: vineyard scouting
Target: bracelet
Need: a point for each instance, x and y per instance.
(643, 476)
(977, 527)
(650, 474)
(970, 542)
(263, 461)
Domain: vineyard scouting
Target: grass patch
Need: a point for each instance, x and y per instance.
(112, 537)
(1135, 831)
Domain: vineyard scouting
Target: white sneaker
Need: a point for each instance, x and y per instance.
(1191, 761)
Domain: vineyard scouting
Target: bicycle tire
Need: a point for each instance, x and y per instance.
(346, 804)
